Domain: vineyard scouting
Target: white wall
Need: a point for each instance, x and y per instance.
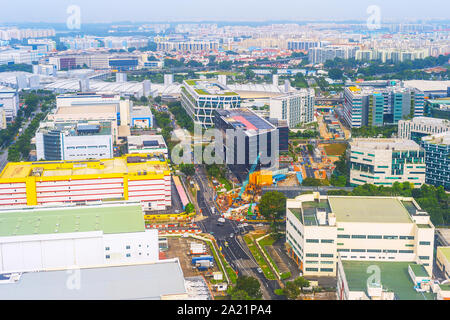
(84, 249)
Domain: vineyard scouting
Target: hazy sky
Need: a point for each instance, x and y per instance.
(225, 10)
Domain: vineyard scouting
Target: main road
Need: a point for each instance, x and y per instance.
(229, 237)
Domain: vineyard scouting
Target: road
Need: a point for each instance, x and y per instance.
(228, 235)
(4, 155)
(229, 238)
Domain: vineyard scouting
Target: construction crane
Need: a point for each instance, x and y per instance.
(245, 183)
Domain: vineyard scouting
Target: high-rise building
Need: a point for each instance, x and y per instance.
(201, 97)
(384, 161)
(294, 107)
(437, 159)
(245, 136)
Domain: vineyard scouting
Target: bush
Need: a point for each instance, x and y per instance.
(285, 275)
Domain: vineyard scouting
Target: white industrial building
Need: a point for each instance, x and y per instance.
(58, 238)
(294, 107)
(383, 162)
(379, 229)
(9, 99)
(418, 127)
(74, 141)
(152, 144)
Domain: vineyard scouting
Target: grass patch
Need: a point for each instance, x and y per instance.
(335, 149)
(259, 257)
(268, 241)
(231, 273)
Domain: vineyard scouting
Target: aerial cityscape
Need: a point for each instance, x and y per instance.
(187, 151)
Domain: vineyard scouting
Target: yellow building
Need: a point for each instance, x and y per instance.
(136, 177)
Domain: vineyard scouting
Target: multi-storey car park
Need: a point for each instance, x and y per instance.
(385, 161)
(138, 177)
(378, 229)
(201, 97)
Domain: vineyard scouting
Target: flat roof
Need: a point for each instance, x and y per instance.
(209, 87)
(124, 282)
(87, 109)
(120, 218)
(120, 165)
(445, 252)
(384, 144)
(394, 277)
(369, 209)
(244, 119)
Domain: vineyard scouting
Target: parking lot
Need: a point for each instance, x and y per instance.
(179, 247)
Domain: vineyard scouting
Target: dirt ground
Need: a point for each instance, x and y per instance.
(179, 247)
(319, 296)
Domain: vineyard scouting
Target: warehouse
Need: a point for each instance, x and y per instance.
(59, 237)
(318, 228)
(162, 280)
(137, 177)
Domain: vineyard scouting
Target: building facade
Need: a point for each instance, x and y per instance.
(295, 108)
(319, 228)
(384, 161)
(201, 97)
(74, 141)
(62, 237)
(437, 159)
(137, 177)
(419, 127)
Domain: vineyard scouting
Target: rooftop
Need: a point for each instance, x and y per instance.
(445, 251)
(209, 87)
(152, 141)
(79, 128)
(244, 119)
(82, 110)
(384, 144)
(440, 138)
(394, 277)
(136, 164)
(117, 218)
(429, 121)
(124, 282)
(369, 209)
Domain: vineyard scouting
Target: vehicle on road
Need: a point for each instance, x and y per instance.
(220, 221)
(226, 243)
(259, 270)
(231, 235)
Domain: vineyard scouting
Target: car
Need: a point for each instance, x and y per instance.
(231, 235)
(259, 270)
(226, 243)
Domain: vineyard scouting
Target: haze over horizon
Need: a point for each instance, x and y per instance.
(97, 11)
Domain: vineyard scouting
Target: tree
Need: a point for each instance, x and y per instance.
(336, 74)
(310, 148)
(273, 207)
(291, 290)
(189, 208)
(301, 282)
(239, 295)
(250, 286)
(187, 169)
